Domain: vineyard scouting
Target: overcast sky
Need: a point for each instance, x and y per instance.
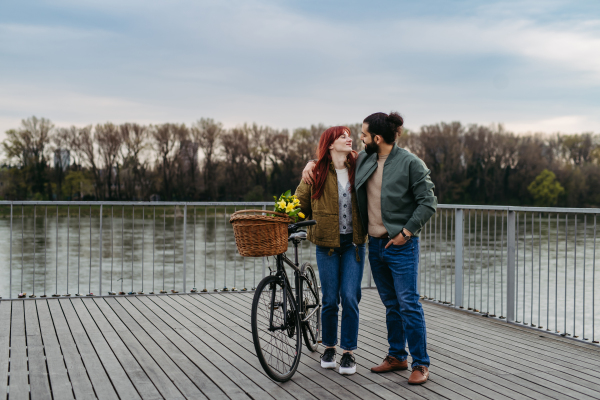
(532, 65)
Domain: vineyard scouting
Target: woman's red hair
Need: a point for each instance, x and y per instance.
(324, 159)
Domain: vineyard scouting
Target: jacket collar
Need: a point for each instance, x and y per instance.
(369, 165)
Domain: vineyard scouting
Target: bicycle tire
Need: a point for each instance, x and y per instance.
(311, 300)
(278, 351)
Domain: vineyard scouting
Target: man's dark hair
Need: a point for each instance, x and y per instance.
(384, 125)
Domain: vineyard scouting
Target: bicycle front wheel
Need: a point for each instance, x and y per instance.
(276, 334)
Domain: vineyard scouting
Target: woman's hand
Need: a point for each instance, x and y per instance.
(307, 173)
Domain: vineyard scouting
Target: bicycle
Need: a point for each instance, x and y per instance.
(278, 315)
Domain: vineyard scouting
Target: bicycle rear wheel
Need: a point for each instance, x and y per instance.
(278, 350)
(311, 325)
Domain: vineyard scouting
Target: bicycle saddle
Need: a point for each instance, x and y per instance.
(300, 235)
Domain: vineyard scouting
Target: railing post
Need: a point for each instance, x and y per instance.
(510, 269)
(10, 267)
(184, 244)
(459, 258)
(100, 269)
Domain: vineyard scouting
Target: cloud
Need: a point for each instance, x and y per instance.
(289, 64)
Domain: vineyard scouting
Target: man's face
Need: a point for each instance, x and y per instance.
(371, 146)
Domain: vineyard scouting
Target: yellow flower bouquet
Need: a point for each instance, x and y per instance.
(290, 205)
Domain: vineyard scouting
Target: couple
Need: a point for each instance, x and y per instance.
(385, 192)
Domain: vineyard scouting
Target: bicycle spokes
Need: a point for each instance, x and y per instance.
(275, 328)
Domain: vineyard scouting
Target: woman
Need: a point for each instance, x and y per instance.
(340, 240)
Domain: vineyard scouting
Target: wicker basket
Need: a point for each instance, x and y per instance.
(258, 235)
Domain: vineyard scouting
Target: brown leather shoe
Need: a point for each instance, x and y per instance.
(390, 364)
(419, 375)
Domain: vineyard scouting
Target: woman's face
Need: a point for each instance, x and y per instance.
(342, 144)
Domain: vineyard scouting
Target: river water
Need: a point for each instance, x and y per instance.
(555, 274)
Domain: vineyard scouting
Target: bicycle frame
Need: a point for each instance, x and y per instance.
(282, 259)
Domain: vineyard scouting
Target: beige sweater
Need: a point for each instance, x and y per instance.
(376, 227)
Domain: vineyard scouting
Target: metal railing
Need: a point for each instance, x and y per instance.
(533, 266)
(93, 248)
(527, 265)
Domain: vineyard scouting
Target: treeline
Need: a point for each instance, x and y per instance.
(470, 164)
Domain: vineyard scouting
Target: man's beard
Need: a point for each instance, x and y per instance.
(371, 148)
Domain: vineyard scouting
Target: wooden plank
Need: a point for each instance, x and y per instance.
(360, 379)
(140, 379)
(450, 346)
(431, 390)
(5, 317)
(39, 383)
(82, 386)
(302, 378)
(363, 354)
(59, 378)
(520, 336)
(478, 330)
(19, 384)
(87, 327)
(153, 366)
(177, 376)
(221, 344)
(213, 382)
(513, 331)
(545, 363)
(213, 362)
(376, 382)
(544, 360)
(96, 371)
(531, 340)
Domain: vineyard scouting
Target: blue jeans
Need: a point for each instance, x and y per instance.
(341, 276)
(395, 271)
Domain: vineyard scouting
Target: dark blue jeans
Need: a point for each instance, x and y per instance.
(395, 271)
(341, 276)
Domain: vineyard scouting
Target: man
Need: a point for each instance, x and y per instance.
(395, 199)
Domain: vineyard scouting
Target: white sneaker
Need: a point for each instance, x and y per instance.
(328, 358)
(347, 364)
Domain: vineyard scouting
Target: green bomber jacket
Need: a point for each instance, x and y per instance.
(407, 199)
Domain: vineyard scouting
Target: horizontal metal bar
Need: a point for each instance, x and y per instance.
(523, 209)
(134, 203)
(269, 203)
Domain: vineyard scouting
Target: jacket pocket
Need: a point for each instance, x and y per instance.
(328, 225)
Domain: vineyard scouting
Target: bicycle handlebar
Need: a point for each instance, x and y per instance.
(293, 227)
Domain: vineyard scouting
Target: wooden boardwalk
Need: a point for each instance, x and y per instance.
(199, 346)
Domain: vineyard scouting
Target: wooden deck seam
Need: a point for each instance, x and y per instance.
(302, 374)
(434, 333)
(213, 352)
(253, 361)
(418, 390)
(409, 389)
(483, 338)
(448, 384)
(208, 372)
(145, 359)
(366, 349)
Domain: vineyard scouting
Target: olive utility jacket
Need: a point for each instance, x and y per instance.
(325, 211)
(407, 199)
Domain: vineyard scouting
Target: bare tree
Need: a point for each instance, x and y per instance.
(236, 150)
(166, 137)
(109, 141)
(83, 143)
(28, 145)
(61, 146)
(135, 141)
(206, 132)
